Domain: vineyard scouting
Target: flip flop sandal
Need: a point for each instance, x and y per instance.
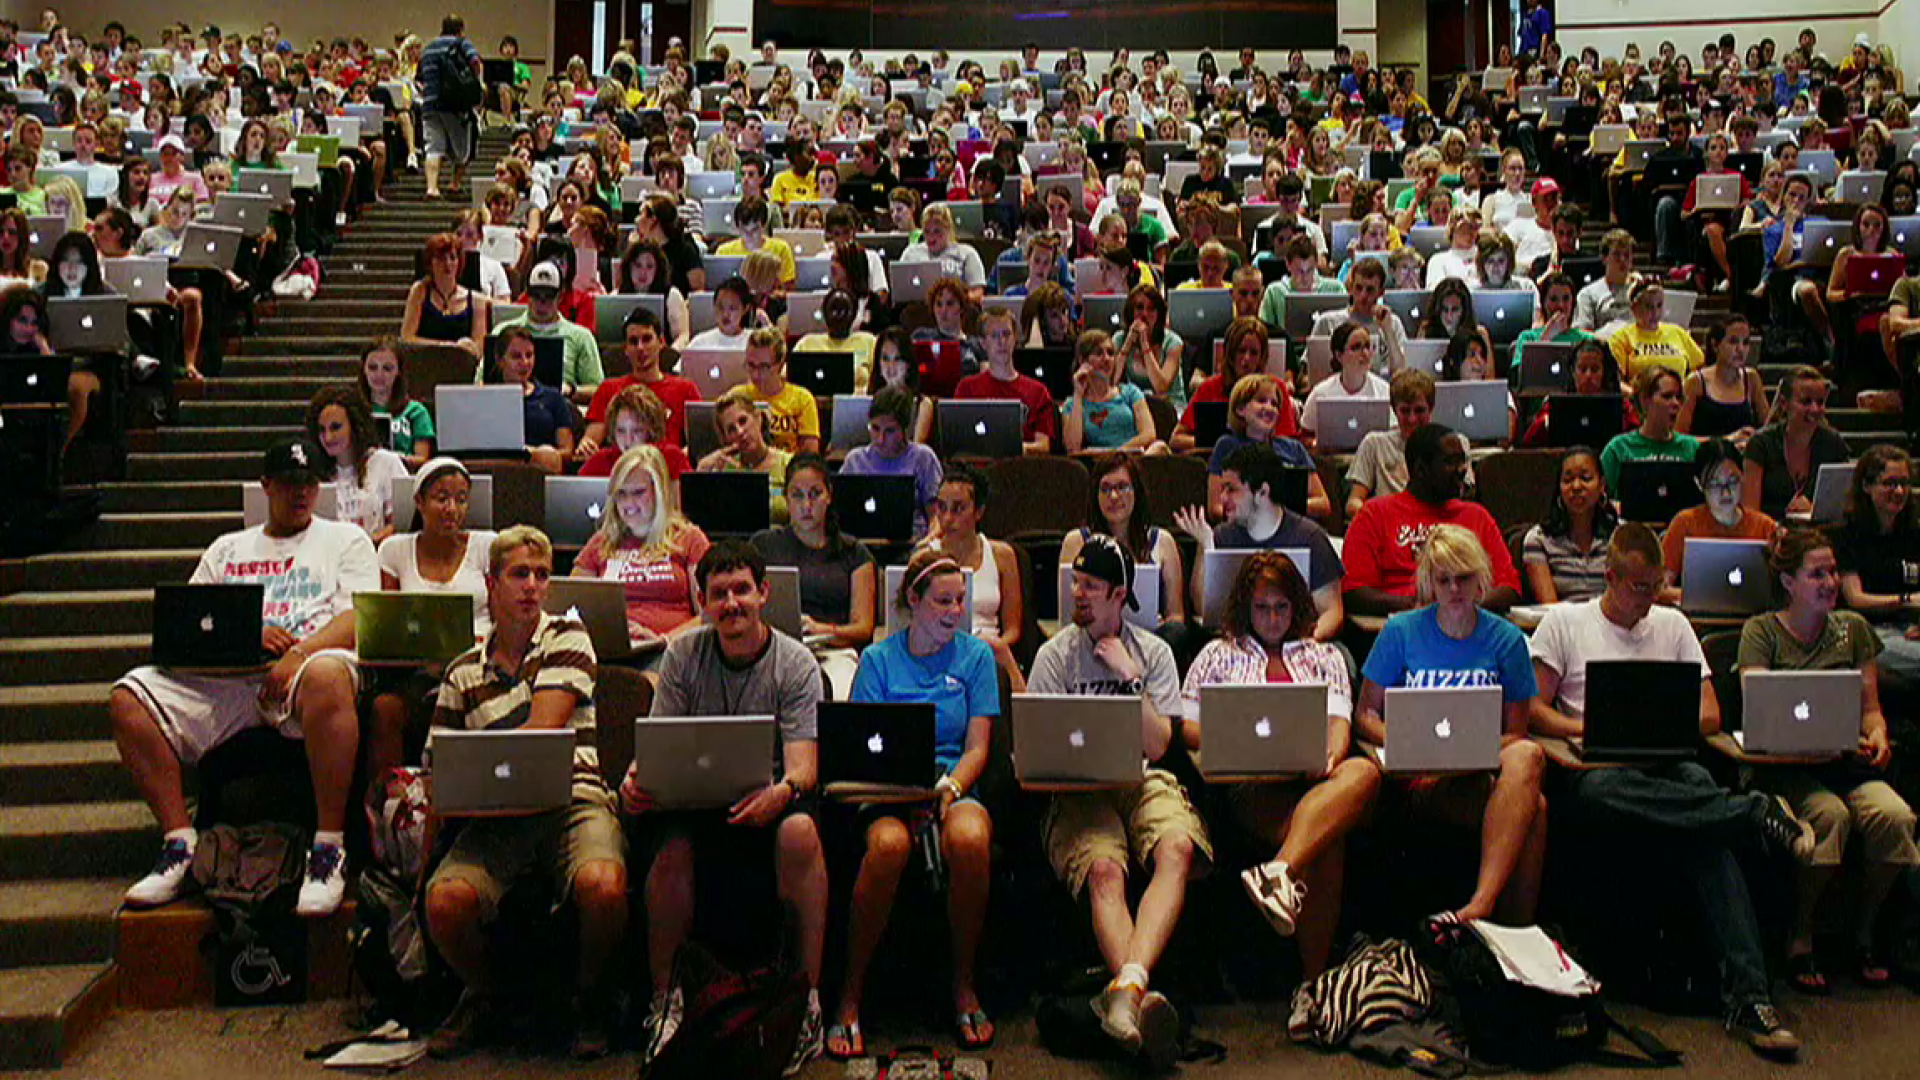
(1870, 971)
(847, 1035)
(1804, 975)
(974, 1022)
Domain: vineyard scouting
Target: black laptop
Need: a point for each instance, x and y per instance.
(877, 749)
(874, 507)
(824, 374)
(727, 503)
(1294, 481)
(1654, 491)
(549, 360)
(1053, 367)
(208, 627)
(1209, 422)
(1641, 710)
(1585, 420)
(34, 380)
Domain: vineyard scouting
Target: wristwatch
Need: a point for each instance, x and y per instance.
(949, 784)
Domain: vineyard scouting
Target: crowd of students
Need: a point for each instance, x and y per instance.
(1416, 551)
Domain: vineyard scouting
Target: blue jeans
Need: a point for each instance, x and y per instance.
(1699, 821)
(1669, 230)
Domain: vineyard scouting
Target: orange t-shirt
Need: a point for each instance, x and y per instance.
(1698, 522)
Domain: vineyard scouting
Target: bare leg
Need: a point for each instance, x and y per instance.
(1112, 920)
(453, 919)
(1328, 811)
(1716, 235)
(150, 758)
(669, 897)
(191, 320)
(1313, 929)
(968, 843)
(1160, 906)
(801, 869)
(1813, 882)
(600, 893)
(81, 386)
(1506, 826)
(325, 706)
(387, 737)
(888, 847)
(1807, 295)
(433, 175)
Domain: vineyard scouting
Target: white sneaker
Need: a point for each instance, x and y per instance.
(1118, 1007)
(326, 883)
(144, 366)
(1159, 1030)
(1273, 890)
(661, 1025)
(167, 880)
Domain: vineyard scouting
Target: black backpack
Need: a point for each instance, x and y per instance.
(250, 877)
(460, 88)
(743, 1027)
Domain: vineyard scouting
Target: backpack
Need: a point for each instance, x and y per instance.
(1511, 1024)
(250, 877)
(743, 1027)
(460, 88)
(1069, 1027)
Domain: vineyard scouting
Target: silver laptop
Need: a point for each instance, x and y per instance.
(1725, 577)
(1425, 354)
(1799, 713)
(1504, 312)
(479, 503)
(1443, 730)
(1716, 192)
(1345, 421)
(248, 213)
(1300, 309)
(88, 324)
(717, 217)
(813, 275)
(1222, 566)
(695, 762)
(1639, 151)
(600, 605)
(803, 313)
(714, 371)
(1905, 233)
(710, 185)
(1608, 138)
(1252, 732)
(1830, 491)
(1679, 306)
(1078, 741)
(215, 246)
(474, 419)
(501, 773)
(1861, 186)
(849, 423)
(1428, 240)
(1823, 165)
(909, 281)
(574, 508)
(305, 166)
(700, 312)
(721, 267)
(1476, 409)
(253, 504)
(898, 617)
(275, 184)
(783, 601)
(1146, 586)
(44, 231)
(1199, 313)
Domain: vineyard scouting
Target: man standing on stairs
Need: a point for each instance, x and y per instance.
(447, 127)
(311, 567)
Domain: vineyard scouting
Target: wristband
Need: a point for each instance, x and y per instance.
(949, 784)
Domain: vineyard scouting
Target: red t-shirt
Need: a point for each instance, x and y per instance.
(673, 391)
(601, 462)
(1215, 388)
(658, 583)
(1041, 416)
(1384, 539)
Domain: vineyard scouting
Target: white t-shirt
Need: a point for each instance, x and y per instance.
(397, 558)
(1449, 263)
(1330, 389)
(714, 338)
(367, 500)
(309, 578)
(1503, 206)
(1574, 634)
(1532, 241)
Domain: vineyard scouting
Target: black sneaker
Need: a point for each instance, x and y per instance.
(589, 1030)
(1783, 832)
(459, 1033)
(1758, 1025)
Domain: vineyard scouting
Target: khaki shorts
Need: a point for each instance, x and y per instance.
(199, 712)
(1123, 827)
(1870, 813)
(492, 854)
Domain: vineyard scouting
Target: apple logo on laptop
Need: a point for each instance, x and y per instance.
(1077, 739)
(876, 744)
(86, 322)
(1263, 728)
(704, 761)
(1443, 729)
(1353, 423)
(713, 372)
(873, 505)
(206, 624)
(1735, 577)
(413, 627)
(503, 771)
(1555, 368)
(1661, 491)
(33, 379)
(1499, 313)
(1803, 712)
(1467, 411)
(593, 511)
(979, 427)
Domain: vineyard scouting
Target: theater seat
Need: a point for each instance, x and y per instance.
(1173, 481)
(519, 492)
(1516, 486)
(620, 696)
(1044, 495)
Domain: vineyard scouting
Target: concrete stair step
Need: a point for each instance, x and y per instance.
(185, 440)
(211, 466)
(45, 1011)
(379, 304)
(72, 658)
(71, 571)
(313, 323)
(65, 840)
(332, 344)
(150, 530)
(73, 771)
(355, 288)
(289, 413)
(185, 495)
(63, 921)
(56, 614)
(332, 368)
(70, 712)
(264, 388)
(1858, 442)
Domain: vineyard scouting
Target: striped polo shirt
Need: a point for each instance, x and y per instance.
(477, 695)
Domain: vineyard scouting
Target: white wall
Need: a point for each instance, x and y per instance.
(1608, 25)
(1900, 28)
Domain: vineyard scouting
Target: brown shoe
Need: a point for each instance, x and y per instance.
(459, 1033)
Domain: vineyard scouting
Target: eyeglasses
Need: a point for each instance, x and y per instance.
(1894, 483)
(1114, 491)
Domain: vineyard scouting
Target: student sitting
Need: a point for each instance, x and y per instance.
(1594, 372)
(1470, 359)
(1563, 557)
(1657, 392)
(839, 580)
(1380, 465)
(1268, 637)
(648, 546)
(440, 310)
(1647, 341)
(635, 418)
(1117, 507)
(1382, 560)
(1784, 458)
(1000, 381)
(1106, 412)
(888, 452)
(1365, 286)
(310, 569)
(1451, 640)
(1353, 377)
(534, 670)
(1725, 397)
(383, 385)
(839, 311)
(1717, 470)
(642, 342)
(339, 420)
(549, 418)
(24, 314)
(750, 217)
(1677, 807)
(1244, 353)
(1250, 480)
(793, 415)
(736, 665)
(581, 370)
(1094, 839)
(1875, 545)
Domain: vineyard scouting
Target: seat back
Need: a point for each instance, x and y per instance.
(519, 492)
(1035, 494)
(1517, 486)
(1173, 481)
(621, 695)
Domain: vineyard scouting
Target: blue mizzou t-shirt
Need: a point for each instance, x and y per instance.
(1414, 652)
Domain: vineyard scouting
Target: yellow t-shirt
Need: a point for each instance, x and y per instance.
(787, 188)
(789, 273)
(794, 415)
(859, 343)
(1668, 346)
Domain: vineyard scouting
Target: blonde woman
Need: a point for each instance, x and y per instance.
(648, 546)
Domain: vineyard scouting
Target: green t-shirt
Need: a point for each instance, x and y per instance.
(1633, 446)
(1848, 642)
(522, 74)
(582, 370)
(413, 423)
(1273, 302)
(1532, 334)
